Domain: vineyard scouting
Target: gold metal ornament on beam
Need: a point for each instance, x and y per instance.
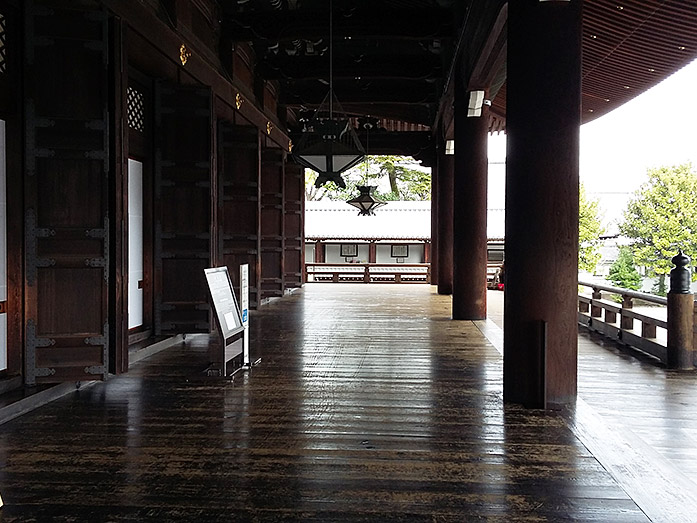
(269, 127)
(184, 54)
(238, 101)
(290, 146)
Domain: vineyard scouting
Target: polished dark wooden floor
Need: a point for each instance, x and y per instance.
(638, 418)
(369, 404)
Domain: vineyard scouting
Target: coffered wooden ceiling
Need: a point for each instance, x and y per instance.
(393, 59)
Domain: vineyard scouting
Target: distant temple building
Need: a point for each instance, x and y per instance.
(400, 232)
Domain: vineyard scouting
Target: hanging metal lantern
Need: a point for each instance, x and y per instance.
(366, 202)
(329, 144)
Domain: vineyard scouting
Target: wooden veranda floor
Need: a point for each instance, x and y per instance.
(369, 404)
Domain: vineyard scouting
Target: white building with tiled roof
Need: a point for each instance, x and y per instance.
(398, 232)
(335, 220)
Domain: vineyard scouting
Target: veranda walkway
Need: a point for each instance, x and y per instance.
(370, 404)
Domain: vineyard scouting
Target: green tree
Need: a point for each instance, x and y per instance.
(623, 272)
(661, 218)
(589, 231)
(406, 181)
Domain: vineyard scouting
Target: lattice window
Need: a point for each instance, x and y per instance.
(136, 109)
(3, 39)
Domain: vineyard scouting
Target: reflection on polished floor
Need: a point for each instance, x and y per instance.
(369, 404)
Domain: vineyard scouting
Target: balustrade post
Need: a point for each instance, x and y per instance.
(596, 311)
(582, 306)
(366, 274)
(626, 322)
(680, 315)
(610, 316)
(694, 334)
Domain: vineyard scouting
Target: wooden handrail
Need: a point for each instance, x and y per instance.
(397, 265)
(601, 316)
(625, 292)
(369, 272)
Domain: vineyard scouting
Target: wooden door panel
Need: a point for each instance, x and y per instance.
(293, 209)
(61, 314)
(178, 284)
(272, 235)
(69, 193)
(66, 188)
(183, 245)
(238, 168)
(190, 215)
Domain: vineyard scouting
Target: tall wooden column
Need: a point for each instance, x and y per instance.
(469, 210)
(319, 251)
(446, 170)
(434, 225)
(542, 121)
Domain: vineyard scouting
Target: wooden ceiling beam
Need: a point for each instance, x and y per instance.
(372, 66)
(415, 93)
(374, 23)
(418, 114)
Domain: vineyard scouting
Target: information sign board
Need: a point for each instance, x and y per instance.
(224, 303)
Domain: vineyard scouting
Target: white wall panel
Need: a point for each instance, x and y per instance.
(135, 243)
(3, 247)
(383, 254)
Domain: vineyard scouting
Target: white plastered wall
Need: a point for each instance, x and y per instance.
(135, 243)
(3, 247)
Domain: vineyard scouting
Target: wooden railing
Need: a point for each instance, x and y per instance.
(619, 321)
(368, 272)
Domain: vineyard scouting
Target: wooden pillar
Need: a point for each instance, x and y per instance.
(542, 122)
(319, 251)
(372, 252)
(469, 210)
(446, 171)
(434, 225)
(118, 196)
(680, 312)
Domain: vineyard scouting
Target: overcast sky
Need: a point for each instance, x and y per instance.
(656, 128)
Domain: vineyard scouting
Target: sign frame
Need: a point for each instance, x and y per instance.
(244, 306)
(227, 313)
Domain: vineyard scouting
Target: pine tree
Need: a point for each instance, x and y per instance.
(623, 272)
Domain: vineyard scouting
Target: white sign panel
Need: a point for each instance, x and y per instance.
(223, 301)
(244, 302)
(244, 293)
